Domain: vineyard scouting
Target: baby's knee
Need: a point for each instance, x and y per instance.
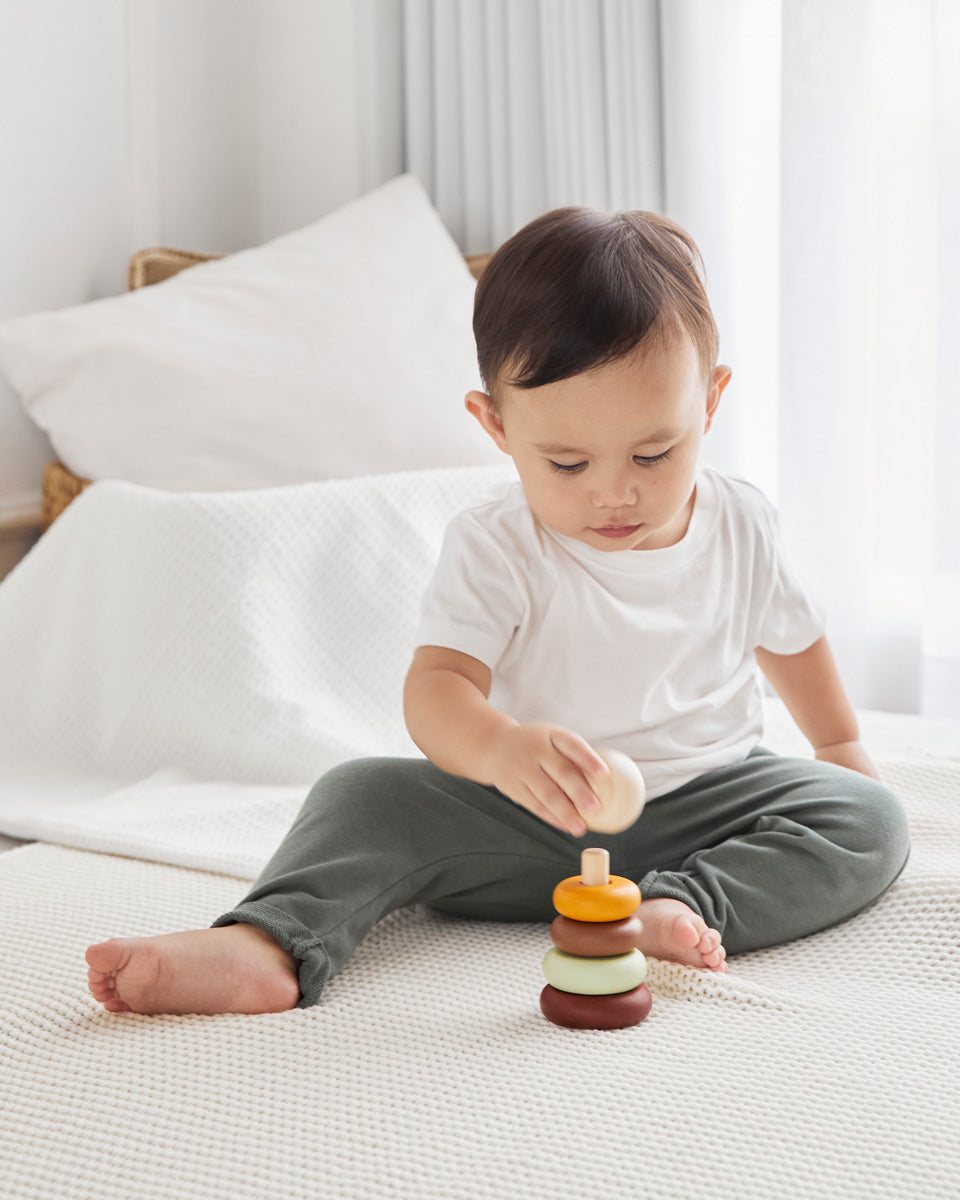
(354, 777)
(880, 835)
(368, 791)
(356, 784)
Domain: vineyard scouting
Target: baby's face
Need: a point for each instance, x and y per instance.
(609, 457)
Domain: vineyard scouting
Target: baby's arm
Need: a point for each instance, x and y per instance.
(810, 686)
(544, 768)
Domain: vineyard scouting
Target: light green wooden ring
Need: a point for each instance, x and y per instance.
(594, 976)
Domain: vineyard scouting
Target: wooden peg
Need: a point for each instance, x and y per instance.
(595, 867)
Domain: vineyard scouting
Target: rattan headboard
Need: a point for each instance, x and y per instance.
(160, 262)
(60, 486)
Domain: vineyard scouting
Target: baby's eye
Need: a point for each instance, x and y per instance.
(647, 460)
(567, 468)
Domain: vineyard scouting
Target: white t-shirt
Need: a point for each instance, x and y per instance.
(646, 651)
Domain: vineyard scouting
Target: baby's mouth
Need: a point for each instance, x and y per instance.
(616, 531)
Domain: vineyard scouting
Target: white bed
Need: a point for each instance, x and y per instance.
(827, 1068)
(177, 668)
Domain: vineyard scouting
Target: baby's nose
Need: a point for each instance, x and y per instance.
(615, 492)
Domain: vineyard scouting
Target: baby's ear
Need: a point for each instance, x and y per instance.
(479, 405)
(721, 377)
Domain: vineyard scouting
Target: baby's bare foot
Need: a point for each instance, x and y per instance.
(672, 930)
(231, 969)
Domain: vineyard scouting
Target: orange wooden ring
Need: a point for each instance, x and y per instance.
(601, 902)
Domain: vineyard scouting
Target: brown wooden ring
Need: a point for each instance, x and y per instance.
(618, 1011)
(596, 939)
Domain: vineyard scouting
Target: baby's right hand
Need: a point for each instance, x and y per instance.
(548, 770)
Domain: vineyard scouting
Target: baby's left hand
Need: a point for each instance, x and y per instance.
(851, 755)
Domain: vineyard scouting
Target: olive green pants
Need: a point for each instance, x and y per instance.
(766, 850)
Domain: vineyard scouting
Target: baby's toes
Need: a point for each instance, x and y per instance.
(709, 941)
(713, 953)
(116, 1005)
(102, 986)
(99, 985)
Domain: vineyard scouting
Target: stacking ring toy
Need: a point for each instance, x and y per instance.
(595, 971)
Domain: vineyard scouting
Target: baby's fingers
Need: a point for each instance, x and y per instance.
(580, 753)
(548, 801)
(579, 767)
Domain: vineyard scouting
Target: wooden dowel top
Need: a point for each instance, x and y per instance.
(595, 867)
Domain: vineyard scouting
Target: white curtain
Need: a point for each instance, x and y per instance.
(813, 150)
(869, 334)
(514, 107)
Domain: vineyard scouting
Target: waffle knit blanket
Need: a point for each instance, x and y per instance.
(823, 1069)
(254, 639)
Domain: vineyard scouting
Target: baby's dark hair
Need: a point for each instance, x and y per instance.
(577, 288)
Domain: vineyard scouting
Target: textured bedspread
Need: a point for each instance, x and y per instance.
(823, 1069)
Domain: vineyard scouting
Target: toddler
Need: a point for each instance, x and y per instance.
(620, 595)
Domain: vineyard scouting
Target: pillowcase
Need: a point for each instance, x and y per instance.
(344, 348)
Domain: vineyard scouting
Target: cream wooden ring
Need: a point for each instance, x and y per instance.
(594, 976)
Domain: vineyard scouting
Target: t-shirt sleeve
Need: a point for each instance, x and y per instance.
(791, 618)
(474, 601)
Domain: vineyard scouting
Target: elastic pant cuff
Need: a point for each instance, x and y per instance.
(314, 969)
(652, 887)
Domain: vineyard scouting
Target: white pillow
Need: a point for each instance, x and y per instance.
(342, 349)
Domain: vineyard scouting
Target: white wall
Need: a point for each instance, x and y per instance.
(201, 124)
(63, 198)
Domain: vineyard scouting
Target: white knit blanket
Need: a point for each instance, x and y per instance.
(179, 669)
(822, 1070)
